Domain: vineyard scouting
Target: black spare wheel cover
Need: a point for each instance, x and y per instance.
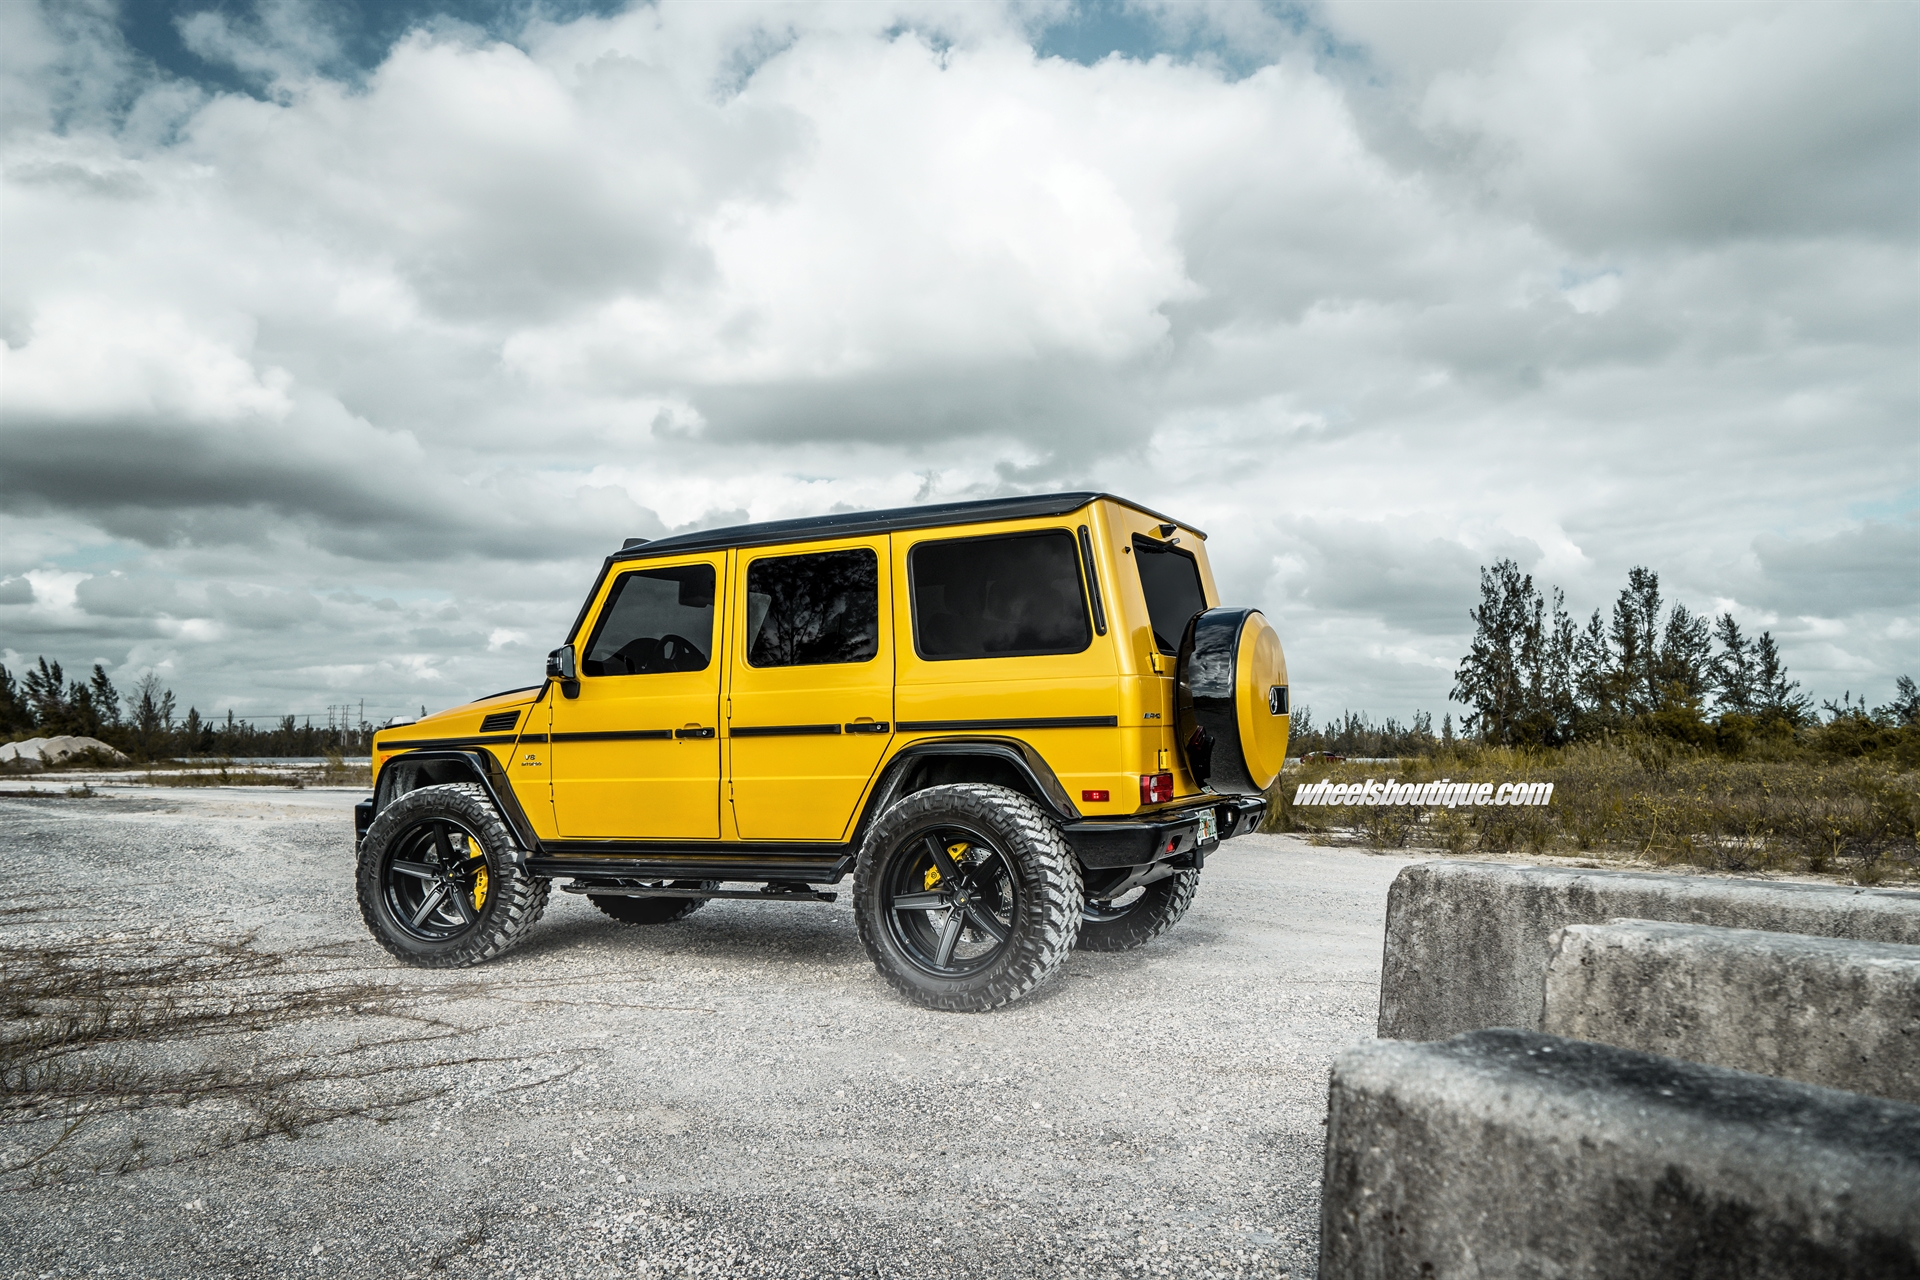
(1231, 701)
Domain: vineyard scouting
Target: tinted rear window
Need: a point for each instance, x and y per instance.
(1005, 597)
(1171, 579)
(812, 609)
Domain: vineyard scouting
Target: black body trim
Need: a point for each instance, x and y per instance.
(441, 744)
(605, 735)
(1022, 757)
(856, 523)
(628, 861)
(1136, 841)
(478, 766)
(781, 730)
(1093, 582)
(593, 593)
(987, 726)
(525, 688)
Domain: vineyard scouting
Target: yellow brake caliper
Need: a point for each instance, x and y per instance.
(954, 851)
(479, 887)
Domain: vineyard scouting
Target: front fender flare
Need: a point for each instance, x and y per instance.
(400, 775)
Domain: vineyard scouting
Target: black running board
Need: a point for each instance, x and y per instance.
(709, 867)
(798, 893)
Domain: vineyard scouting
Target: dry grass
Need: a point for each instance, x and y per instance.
(1856, 819)
(123, 1049)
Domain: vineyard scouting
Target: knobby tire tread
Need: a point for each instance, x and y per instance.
(1158, 909)
(522, 898)
(1051, 873)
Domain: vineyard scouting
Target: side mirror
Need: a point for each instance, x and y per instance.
(560, 664)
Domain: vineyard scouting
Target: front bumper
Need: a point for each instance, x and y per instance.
(1132, 842)
(362, 819)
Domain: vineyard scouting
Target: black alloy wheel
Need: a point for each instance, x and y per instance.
(440, 879)
(952, 899)
(967, 896)
(434, 878)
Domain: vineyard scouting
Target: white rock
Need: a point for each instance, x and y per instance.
(41, 752)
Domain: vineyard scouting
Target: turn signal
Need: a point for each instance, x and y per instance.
(1156, 788)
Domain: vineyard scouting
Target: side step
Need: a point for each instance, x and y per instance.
(771, 893)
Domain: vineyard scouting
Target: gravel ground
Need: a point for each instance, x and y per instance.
(736, 1094)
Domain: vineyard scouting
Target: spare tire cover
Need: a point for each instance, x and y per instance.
(1232, 704)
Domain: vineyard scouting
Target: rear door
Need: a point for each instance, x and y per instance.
(636, 756)
(811, 685)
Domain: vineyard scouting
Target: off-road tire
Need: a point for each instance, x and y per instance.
(514, 900)
(1157, 909)
(628, 910)
(1044, 873)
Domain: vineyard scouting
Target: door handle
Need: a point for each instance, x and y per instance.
(693, 732)
(867, 726)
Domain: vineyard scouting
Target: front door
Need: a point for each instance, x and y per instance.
(636, 755)
(811, 697)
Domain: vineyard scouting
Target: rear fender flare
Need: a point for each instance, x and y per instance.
(1042, 783)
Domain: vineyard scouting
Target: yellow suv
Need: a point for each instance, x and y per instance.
(1021, 724)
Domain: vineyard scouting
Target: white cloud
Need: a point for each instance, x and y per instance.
(354, 381)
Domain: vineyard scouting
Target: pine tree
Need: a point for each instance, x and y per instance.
(1774, 695)
(1636, 641)
(1684, 669)
(1733, 669)
(1903, 710)
(16, 711)
(1492, 679)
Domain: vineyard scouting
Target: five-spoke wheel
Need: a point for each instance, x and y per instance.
(952, 906)
(968, 896)
(441, 882)
(434, 875)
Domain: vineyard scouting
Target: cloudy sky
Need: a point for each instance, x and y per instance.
(341, 343)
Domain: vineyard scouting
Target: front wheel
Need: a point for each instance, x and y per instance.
(968, 897)
(437, 882)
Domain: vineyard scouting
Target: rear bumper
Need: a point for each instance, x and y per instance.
(1132, 842)
(362, 819)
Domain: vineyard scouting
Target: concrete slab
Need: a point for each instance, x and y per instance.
(1510, 1153)
(1467, 942)
(1826, 1011)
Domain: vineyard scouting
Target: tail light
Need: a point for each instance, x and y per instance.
(1156, 788)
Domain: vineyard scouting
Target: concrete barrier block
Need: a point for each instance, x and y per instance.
(1826, 1011)
(1467, 942)
(1510, 1153)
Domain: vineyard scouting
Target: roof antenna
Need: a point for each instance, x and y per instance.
(631, 543)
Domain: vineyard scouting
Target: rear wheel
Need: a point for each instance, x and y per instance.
(629, 910)
(1140, 916)
(437, 881)
(968, 897)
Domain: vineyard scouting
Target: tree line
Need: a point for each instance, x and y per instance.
(145, 722)
(1533, 677)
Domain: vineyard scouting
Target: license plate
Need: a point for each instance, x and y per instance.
(1209, 828)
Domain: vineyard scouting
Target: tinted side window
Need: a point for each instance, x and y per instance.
(805, 610)
(656, 620)
(999, 597)
(1171, 579)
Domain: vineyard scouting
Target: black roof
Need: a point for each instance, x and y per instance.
(854, 523)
